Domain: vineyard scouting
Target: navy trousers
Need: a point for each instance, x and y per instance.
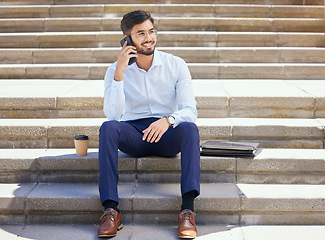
(127, 136)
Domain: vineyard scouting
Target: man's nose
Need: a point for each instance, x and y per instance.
(147, 34)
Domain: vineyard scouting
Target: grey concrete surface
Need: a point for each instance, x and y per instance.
(193, 10)
(57, 133)
(168, 232)
(158, 203)
(165, 23)
(300, 166)
(215, 98)
(96, 71)
(167, 39)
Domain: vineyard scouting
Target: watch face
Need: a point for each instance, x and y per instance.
(171, 120)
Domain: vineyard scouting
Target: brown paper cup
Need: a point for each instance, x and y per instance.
(81, 144)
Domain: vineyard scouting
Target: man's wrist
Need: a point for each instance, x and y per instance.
(166, 120)
(117, 79)
(170, 120)
(118, 76)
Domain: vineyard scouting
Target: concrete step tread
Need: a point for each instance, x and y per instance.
(167, 38)
(206, 122)
(258, 129)
(158, 6)
(189, 64)
(248, 2)
(229, 197)
(279, 154)
(268, 160)
(208, 64)
(96, 71)
(269, 132)
(189, 54)
(194, 48)
(171, 24)
(150, 231)
(39, 98)
(44, 19)
(228, 90)
(275, 166)
(163, 32)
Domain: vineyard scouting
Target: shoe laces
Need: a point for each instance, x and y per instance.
(187, 215)
(109, 214)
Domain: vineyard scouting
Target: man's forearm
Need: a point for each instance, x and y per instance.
(187, 114)
(114, 100)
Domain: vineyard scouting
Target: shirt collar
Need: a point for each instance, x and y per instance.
(156, 59)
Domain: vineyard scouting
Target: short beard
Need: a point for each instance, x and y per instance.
(147, 53)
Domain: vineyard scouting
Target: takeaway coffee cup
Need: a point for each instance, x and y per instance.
(81, 144)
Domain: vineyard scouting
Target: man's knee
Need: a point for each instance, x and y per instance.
(188, 129)
(109, 126)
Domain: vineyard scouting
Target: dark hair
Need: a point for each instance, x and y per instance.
(133, 18)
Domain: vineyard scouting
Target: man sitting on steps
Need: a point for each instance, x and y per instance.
(151, 110)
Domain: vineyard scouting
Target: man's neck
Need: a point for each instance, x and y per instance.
(144, 62)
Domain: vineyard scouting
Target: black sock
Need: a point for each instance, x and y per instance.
(188, 200)
(111, 204)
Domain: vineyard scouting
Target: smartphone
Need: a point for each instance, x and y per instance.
(129, 43)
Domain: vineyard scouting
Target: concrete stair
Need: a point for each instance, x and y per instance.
(215, 98)
(169, 10)
(92, 71)
(165, 24)
(159, 203)
(271, 166)
(189, 54)
(258, 69)
(166, 38)
(269, 132)
(76, 2)
(145, 232)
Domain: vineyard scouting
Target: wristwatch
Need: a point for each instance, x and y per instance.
(171, 120)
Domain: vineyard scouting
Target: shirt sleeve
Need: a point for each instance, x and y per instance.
(114, 98)
(185, 96)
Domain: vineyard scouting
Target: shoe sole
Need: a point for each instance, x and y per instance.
(112, 235)
(187, 237)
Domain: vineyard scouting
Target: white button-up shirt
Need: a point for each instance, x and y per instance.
(166, 89)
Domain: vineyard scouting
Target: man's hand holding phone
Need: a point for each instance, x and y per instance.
(126, 53)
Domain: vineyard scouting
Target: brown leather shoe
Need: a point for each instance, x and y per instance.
(111, 222)
(186, 224)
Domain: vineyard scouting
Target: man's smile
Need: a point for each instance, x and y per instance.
(148, 44)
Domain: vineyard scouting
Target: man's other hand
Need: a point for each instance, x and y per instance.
(155, 131)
